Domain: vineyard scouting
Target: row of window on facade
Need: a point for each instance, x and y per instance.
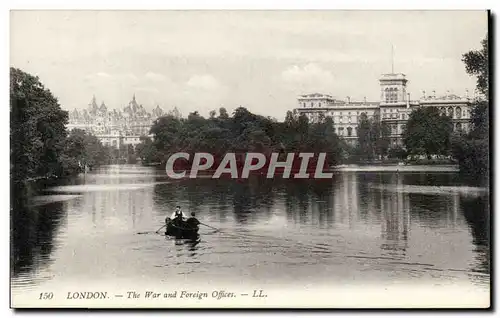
(312, 104)
(391, 95)
(454, 113)
(392, 128)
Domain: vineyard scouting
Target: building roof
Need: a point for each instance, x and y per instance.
(392, 77)
(316, 95)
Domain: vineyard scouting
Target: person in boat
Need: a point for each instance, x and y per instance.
(178, 213)
(193, 222)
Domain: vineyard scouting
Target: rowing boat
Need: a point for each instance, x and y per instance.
(181, 229)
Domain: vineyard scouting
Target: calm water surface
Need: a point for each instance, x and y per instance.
(359, 228)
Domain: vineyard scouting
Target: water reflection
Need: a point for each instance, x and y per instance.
(33, 234)
(362, 226)
(477, 215)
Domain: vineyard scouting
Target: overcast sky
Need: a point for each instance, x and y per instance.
(261, 60)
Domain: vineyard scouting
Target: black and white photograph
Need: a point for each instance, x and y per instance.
(250, 159)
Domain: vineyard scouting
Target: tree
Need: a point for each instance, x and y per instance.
(380, 135)
(477, 64)
(365, 148)
(427, 132)
(168, 135)
(472, 150)
(373, 137)
(397, 152)
(83, 150)
(223, 113)
(37, 129)
(146, 151)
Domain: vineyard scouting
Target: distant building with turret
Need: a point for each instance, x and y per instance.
(393, 108)
(115, 127)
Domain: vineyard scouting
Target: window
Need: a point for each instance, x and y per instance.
(450, 111)
(312, 104)
(458, 112)
(341, 131)
(319, 105)
(348, 113)
(403, 116)
(349, 131)
(391, 95)
(304, 104)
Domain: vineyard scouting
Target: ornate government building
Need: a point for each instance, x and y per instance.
(394, 107)
(115, 127)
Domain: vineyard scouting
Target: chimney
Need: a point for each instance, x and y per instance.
(348, 100)
(466, 93)
(434, 94)
(364, 99)
(423, 94)
(408, 101)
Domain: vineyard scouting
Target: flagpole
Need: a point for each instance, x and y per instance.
(392, 58)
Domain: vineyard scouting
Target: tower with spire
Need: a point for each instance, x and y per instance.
(393, 85)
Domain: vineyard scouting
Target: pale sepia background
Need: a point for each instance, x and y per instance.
(289, 65)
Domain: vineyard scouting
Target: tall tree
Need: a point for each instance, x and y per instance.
(472, 150)
(373, 137)
(37, 128)
(477, 64)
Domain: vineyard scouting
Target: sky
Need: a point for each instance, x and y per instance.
(261, 60)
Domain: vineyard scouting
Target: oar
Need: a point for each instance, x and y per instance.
(160, 228)
(210, 226)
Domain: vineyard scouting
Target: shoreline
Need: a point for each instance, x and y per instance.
(397, 168)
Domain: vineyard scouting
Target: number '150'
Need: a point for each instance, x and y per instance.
(46, 296)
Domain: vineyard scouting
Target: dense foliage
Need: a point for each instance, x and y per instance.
(37, 129)
(373, 138)
(427, 132)
(40, 147)
(472, 150)
(240, 133)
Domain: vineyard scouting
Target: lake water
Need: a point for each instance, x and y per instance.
(422, 231)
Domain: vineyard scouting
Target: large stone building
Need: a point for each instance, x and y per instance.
(115, 127)
(393, 108)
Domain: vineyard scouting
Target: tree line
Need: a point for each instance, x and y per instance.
(239, 133)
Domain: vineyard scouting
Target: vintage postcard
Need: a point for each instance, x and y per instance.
(249, 159)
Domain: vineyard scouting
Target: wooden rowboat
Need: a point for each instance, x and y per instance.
(181, 230)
